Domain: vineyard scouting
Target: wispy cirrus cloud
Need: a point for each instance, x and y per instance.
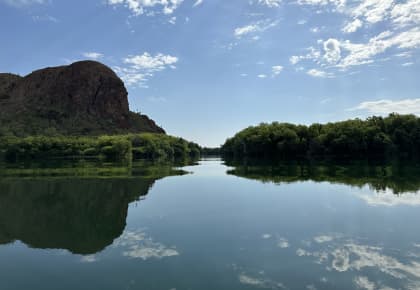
(352, 26)
(139, 7)
(276, 70)
(367, 12)
(93, 55)
(23, 3)
(254, 28)
(385, 107)
(344, 54)
(319, 73)
(45, 18)
(198, 3)
(401, 18)
(270, 3)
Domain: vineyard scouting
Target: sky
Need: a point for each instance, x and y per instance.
(205, 69)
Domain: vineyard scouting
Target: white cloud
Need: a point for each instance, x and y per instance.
(401, 18)
(315, 29)
(172, 20)
(197, 3)
(137, 69)
(352, 26)
(318, 73)
(44, 18)
(262, 76)
(332, 51)
(22, 3)
(276, 70)
(253, 28)
(362, 53)
(406, 13)
(294, 59)
(138, 7)
(407, 106)
(373, 11)
(407, 64)
(93, 55)
(240, 31)
(146, 61)
(404, 54)
(337, 4)
(345, 54)
(401, 13)
(270, 3)
(313, 54)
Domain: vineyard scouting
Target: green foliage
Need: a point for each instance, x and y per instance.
(148, 145)
(210, 151)
(375, 136)
(132, 146)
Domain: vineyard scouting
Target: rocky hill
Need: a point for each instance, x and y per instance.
(83, 98)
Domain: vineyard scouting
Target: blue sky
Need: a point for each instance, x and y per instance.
(207, 69)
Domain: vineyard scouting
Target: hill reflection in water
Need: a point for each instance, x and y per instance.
(78, 208)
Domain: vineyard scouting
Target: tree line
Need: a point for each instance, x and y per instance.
(373, 137)
(130, 146)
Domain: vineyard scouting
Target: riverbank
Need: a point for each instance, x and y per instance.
(116, 147)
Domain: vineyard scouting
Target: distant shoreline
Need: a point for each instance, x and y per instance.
(395, 135)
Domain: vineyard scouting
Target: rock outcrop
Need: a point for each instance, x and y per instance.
(85, 97)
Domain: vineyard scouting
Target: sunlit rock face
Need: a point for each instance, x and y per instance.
(80, 215)
(84, 97)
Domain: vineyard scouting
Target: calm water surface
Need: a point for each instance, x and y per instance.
(210, 226)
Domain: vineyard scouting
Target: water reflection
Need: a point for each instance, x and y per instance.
(138, 245)
(338, 253)
(388, 178)
(81, 209)
(209, 230)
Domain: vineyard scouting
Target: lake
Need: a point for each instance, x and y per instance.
(209, 225)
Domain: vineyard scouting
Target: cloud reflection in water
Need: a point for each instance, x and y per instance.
(138, 245)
